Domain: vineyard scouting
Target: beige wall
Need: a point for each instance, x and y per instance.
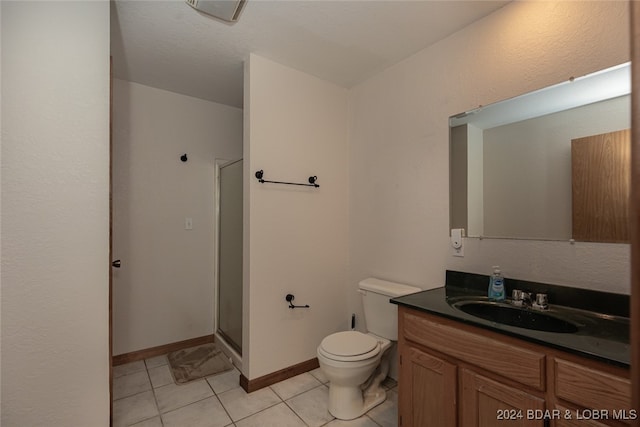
(399, 203)
(55, 213)
(164, 291)
(296, 238)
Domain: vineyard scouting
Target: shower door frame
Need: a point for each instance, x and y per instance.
(227, 345)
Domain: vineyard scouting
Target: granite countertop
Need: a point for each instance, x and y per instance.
(603, 336)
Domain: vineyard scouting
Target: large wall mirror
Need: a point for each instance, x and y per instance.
(553, 164)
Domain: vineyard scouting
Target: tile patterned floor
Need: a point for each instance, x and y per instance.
(145, 396)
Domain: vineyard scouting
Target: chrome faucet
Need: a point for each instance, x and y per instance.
(541, 303)
(520, 298)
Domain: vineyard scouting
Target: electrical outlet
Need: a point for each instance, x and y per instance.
(456, 242)
(457, 251)
(188, 224)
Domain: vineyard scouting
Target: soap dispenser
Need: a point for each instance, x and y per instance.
(496, 285)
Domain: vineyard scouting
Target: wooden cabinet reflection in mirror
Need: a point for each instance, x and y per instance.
(601, 172)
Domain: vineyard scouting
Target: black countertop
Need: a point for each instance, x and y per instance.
(604, 335)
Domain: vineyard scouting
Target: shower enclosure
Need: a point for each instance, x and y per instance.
(229, 254)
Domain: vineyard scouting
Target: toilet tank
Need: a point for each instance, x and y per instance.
(381, 317)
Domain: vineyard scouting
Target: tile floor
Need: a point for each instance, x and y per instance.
(145, 396)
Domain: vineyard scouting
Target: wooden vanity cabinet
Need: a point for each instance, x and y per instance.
(457, 375)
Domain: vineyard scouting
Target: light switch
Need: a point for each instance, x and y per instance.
(188, 224)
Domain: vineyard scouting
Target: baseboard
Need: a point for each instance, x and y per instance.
(275, 377)
(134, 356)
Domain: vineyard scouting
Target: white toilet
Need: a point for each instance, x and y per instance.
(356, 363)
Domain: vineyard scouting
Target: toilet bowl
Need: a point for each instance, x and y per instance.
(349, 360)
(356, 363)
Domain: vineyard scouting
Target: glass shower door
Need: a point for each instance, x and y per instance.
(229, 310)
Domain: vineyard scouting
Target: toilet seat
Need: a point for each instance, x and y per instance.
(349, 346)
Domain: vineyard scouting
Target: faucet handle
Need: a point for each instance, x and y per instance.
(542, 302)
(516, 297)
(520, 298)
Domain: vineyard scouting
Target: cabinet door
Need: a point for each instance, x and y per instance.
(567, 419)
(428, 387)
(488, 403)
(601, 178)
(566, 422)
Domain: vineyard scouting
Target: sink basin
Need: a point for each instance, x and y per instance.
(515, 316)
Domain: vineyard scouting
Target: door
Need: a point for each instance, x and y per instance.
(427, 390)
(229, 271)
(488, 403)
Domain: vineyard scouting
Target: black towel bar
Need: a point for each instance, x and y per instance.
(312, 180)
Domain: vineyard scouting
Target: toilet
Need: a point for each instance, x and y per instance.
(356, 363)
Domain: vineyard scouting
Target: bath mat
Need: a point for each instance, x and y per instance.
(197, 362)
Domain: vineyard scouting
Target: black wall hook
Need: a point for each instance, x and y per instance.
(289, 298)
(184, 157)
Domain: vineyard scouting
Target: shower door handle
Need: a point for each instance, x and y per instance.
(116, 263)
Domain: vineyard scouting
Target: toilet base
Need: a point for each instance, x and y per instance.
(348, 403)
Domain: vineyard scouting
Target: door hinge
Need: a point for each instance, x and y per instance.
(400, 360)
(400, 420)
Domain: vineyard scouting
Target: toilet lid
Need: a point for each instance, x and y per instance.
(349, 343)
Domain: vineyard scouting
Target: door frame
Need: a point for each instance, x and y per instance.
(634, 11)
(110, 240)
(216, 231)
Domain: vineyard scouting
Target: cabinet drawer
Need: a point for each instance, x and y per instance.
(516, 363)
(591, 388)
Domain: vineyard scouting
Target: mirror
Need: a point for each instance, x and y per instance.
(548, 165)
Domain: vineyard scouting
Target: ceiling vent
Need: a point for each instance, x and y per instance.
(227, 10)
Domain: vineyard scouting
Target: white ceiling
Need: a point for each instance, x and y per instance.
(169, 45)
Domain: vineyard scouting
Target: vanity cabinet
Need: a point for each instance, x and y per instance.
(454, 374)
